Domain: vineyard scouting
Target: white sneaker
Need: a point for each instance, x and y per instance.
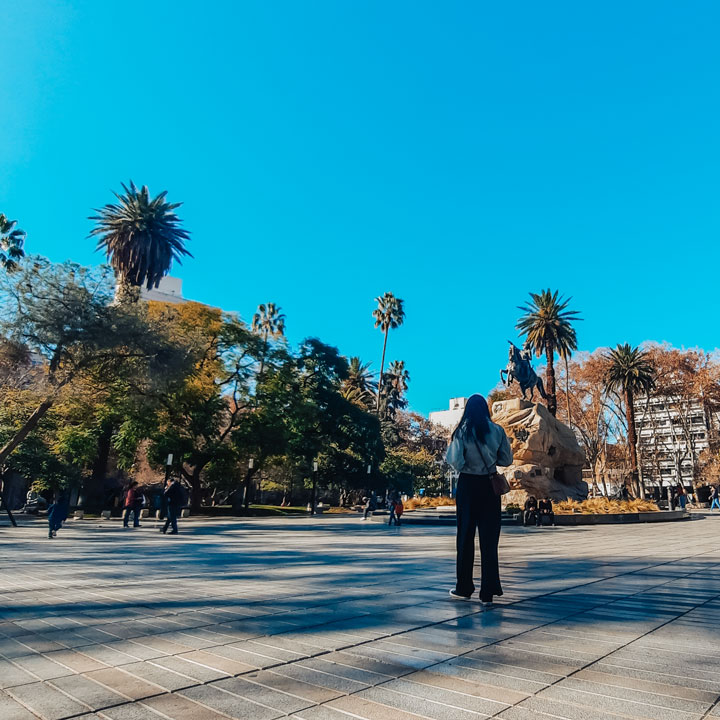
(458, 596)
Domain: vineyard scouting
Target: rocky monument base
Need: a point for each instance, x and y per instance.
(548, 458)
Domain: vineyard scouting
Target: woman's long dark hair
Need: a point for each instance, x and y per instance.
(475, 420)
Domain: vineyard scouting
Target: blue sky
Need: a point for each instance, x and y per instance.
(458, 154)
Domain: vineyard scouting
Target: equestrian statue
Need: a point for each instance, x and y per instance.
(520, 369)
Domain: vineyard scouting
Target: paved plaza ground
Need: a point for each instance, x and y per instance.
(332, 618)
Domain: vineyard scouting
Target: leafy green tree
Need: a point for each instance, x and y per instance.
(630, 371)
(547, 325)
(63, 315)
(12, 239)
(197, 416)
(324, 425)
(389, 315)
(141, 237)
(407, 470)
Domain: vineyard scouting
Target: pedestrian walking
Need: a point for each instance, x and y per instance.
(714, 498)
(396, 509)
(134, 499)
(399, 509)
(477, 446)
(175, 497)
(57, 513)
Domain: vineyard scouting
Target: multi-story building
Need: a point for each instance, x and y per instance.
(672, 433)
(449, 418)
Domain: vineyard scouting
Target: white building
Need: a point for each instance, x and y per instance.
(449, 418)
(169, 291)
(672, 433)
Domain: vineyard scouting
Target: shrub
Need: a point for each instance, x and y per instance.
(604, 506)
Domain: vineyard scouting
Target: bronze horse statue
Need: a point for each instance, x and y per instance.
(520, 369)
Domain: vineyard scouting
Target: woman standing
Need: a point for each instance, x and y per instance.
(477, 446)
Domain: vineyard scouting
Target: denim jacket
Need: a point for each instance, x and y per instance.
(480, 458)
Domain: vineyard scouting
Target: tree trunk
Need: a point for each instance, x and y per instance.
(382, 367)
(632, 441)
(247, 487)
(99, 469)
(567, 391)
(550, 378)
(29, 425)
(195, 490)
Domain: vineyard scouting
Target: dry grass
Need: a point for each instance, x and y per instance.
(603, 506)
(427, 502)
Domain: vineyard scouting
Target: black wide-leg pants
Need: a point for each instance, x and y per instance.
(478, 508)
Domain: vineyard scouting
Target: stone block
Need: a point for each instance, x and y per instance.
(105, 514)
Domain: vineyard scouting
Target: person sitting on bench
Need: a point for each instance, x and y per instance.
(530, 513)
(546, 509)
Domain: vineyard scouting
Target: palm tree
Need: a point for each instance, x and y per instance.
(360, 385)
(141, 237)
(631, 372)
(394, 386)
(388, 315)
(267, 322)
(11, 244)
(548, 329)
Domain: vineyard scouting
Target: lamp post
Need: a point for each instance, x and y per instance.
(168, 464)
(314, 487)
(246, 494)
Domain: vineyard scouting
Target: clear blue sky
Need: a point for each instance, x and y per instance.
(458, 154)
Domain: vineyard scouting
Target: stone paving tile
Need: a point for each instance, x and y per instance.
(10, 709)
(293, 686)
(178, 707)
(280, 701)
(620, 706)
(231, 705)
(357, 706)
(47, 702)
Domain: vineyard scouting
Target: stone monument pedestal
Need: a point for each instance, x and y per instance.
(548, 460)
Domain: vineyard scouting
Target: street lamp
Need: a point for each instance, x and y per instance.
(314, 487)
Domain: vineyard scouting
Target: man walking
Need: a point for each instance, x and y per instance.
(174, 497)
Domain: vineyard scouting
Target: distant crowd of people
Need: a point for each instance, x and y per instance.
(174, 498)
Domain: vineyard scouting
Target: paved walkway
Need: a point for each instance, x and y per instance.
(333, 618)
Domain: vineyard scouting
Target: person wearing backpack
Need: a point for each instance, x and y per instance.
(477, 446)
(175, 497)
(133, 504)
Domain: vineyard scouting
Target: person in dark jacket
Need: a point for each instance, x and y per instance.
(133, 504)
(530, 513)
(545, 508)
(57, 513)
(174, 496)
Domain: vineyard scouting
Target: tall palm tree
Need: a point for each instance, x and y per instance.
(141, 237)
(547, 325)
(268, 322)
(630, 372)
(388, 315)
(360, 385)
(12, 239)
